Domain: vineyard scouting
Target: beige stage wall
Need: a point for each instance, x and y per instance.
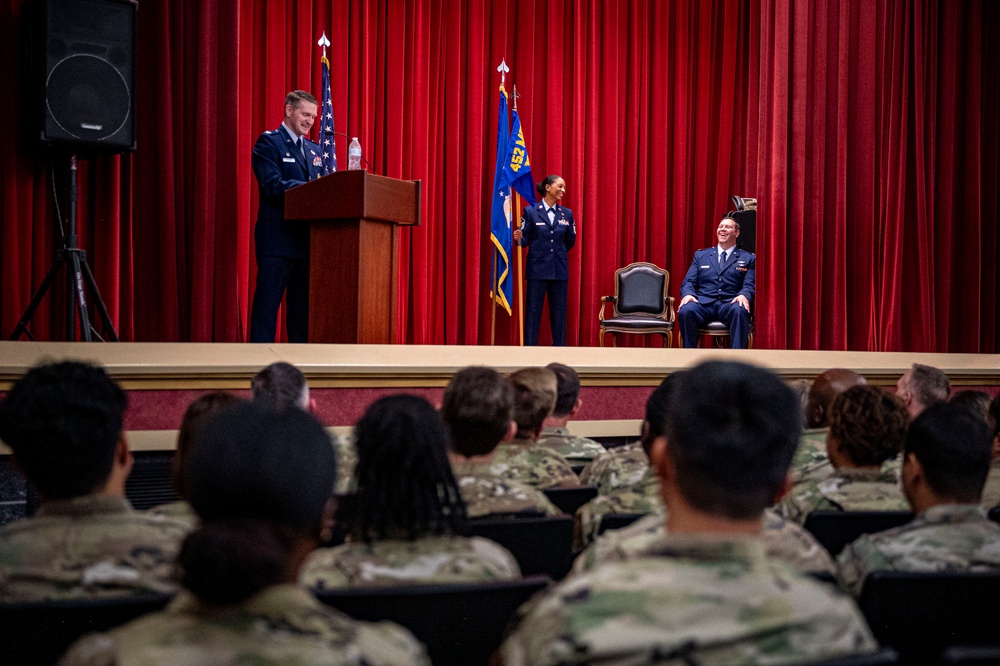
(162, 378)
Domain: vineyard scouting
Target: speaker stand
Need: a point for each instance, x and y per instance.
(75, 261)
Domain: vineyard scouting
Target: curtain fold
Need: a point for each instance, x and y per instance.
(866, 129)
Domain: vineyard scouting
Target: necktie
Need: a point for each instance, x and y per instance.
(552, 215)
(723, 257)
(299, 145)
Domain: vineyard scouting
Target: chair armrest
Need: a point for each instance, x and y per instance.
(671, 312)
(604, 301)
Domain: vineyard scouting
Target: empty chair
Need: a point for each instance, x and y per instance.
(640, 305)
(920, 614)
(570, 499)
(836, 529)
(459, 624)
(39, 632)
(540, 545)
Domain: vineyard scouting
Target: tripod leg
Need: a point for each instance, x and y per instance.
(109, 327)
(81, 297)
(36, 300)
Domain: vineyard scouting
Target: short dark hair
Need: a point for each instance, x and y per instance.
(869, 424)
(929, 384)
(954, 448)
(63, 422)
(405, 486)
(195, 416)
(296, 97)
(729, 216)
(534, 397)
(567, 388)
(260, 479)
(732, 429)
(478, 406)
(548, 180)
(279, 385)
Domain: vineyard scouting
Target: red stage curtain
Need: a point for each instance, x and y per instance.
(867, 130)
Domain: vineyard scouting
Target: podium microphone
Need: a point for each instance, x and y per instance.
(363, 158)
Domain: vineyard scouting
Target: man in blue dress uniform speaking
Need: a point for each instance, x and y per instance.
(719, 286)
(283, 158)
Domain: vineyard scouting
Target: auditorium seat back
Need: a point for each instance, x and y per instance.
(836, 529)
(461, 625)
(540, 545)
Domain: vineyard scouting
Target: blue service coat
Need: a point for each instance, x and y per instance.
(706, 282)
(279, 166)
(547, 242)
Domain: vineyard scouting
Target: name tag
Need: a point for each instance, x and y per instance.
(539, 224)
(287, 159)
(563, 223)
(704, 267)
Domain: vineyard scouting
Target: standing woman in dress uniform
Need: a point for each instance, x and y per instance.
(549, 231)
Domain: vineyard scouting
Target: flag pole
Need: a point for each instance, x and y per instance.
(520, 268)
(494, 288)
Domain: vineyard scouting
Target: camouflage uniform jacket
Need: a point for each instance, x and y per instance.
(991, 491)
(783, 540)
(485, 494)
(692, 599)
(282, 624)
(810, 462)
(88, 547)
(947, 537)
(847, 489)
(643, 497)
(616, 468)
(430, 559)
(570, 446)
(347, 462)
(180, 511)
(525, 462)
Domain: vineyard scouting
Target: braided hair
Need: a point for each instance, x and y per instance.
(405, 486)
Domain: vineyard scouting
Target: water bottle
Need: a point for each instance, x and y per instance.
(354, 155)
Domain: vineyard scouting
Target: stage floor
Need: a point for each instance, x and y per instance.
(162, 378)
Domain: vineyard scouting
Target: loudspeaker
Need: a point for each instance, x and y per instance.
(83, 73)
(747, 219)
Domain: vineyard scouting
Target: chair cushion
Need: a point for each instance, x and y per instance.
(637, 322)
(640, 289)
(714, 327)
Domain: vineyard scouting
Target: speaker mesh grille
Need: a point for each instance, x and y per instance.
(87, 97)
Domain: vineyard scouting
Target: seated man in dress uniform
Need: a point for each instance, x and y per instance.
(719, 286)
(706, 592)
(63, 422)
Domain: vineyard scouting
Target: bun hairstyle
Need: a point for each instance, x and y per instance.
(548, 180)
(259, 480)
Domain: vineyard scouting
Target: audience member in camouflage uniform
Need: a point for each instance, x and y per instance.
(783, 540)
(521, 459)
(63, 423)
(867, 426)
(706, 592)
(281, 385)
(478, 407)
(555, 435)
(810, 461)
(991, 491)
(196, 415)
(405, 519)
(922, 386)
(261, 481)
(616, 468)
(946, 458)
(644, 495)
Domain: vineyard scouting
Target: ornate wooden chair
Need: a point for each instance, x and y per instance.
(641, 305)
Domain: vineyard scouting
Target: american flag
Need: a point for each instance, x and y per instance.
(327, 138)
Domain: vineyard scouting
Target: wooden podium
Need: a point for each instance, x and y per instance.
(353, 252)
